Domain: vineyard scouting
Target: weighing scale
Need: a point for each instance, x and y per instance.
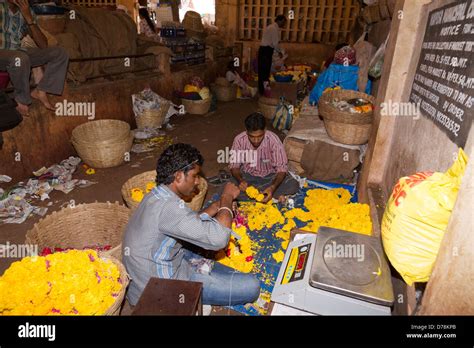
(335, 272)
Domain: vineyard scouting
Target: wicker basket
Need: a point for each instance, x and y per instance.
(101, 132)
(124, 279)
(140, 181)
(84, 225)
(107, 155)
(349, 134)
(345, 127)
(267, 106)
(153, 118)
(329, 112)
(225, 93)
(197, 107)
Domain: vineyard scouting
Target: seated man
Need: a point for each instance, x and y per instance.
(160, 234)
(17, 20)
(260, 161)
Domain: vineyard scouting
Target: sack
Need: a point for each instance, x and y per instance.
(283, 118)
(9, 116)
(416, 218)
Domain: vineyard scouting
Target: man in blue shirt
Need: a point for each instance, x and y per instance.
(16, 21)
(160, 235)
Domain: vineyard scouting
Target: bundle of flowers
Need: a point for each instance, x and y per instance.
(76, 282)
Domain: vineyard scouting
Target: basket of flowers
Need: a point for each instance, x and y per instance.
(135, 189)
(74, 282)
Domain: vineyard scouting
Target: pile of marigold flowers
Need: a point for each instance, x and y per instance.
(331, 208)
(76, 282)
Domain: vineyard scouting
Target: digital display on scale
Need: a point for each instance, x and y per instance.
(296, 264)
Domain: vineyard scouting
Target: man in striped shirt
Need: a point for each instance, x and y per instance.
(264, 165)
(162, 235)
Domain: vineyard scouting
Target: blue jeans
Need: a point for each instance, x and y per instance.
(224, 286)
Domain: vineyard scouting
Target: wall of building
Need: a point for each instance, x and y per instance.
(43, 138)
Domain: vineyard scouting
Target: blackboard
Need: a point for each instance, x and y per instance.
(444, 82)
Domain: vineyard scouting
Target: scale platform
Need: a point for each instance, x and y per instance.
(335, 272)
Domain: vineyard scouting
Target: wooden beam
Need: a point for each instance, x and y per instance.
(449, 290)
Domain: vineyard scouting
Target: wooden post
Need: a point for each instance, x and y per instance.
(449, 290)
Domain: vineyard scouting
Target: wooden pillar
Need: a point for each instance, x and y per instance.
(449, 290)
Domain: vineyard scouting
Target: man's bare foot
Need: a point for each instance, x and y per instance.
(43, 98)
(23, 109)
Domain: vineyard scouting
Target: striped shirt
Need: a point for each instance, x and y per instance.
(13, 27)
(270, 155)
(153, 239)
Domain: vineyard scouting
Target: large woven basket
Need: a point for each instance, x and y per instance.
(140, 181)
(349, 134)
(153, 118)
(267, 106)
(224, 93)
(101, 131)
(107, 155)
(80, 226)
(344, 126)
(197, 107)
(124, 279)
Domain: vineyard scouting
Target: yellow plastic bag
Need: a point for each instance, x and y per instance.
(416, 218)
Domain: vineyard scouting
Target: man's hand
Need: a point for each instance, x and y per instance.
(24, 7)
(211, 210)
(243, 185)
(231, 190)
(268, 194)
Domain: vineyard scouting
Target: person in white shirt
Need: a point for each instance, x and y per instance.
(270, 43)
(233, 77)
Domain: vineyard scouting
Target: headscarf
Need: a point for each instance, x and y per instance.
(343, 53)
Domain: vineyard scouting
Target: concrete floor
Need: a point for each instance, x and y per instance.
(208, 133)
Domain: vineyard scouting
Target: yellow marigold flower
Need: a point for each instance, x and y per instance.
(149, 186)
(137, 194)
(254, 193)
(278, 256)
